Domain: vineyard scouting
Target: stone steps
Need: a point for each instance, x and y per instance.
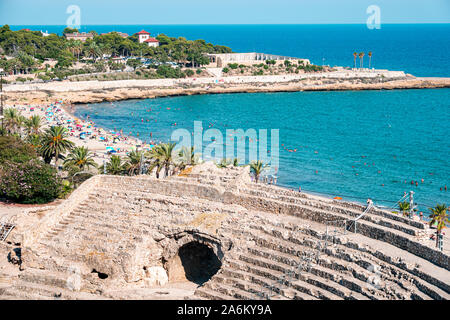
(205, 292)
(286, 244)
(123, 210)
(334, 292)
(51, 292)
(342, 214)
(19, 294)
(343, 282)
(349, 213)
(290, 196)
(289, 251)
(45, 277)
(37, 284)
(306, 212)
(242, 284)
(261, 281)
(230, 290)
(357, 208)
(275, 275)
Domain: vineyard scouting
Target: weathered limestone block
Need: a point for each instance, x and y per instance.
(146, 253)
(156, 276)
(175, 270)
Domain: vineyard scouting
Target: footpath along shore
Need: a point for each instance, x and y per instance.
(98, 91)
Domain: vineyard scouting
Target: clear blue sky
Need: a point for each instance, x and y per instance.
(53, 12)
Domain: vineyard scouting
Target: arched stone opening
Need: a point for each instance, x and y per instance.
(195, 262)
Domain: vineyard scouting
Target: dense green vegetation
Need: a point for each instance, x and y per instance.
(29, 182)
(14, 150)
(30, 49)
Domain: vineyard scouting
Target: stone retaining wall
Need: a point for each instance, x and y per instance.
(165, 83)
(61, 211)
(183, 189)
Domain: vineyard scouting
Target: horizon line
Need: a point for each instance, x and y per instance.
(228, 24)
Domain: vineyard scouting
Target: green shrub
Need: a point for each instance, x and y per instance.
(66, 189)
(199, 71)
(20, 79)
(266, 67)
(233, 66)
(43, 77)
(31, 182)
(165, 71)
(225, 70)
(189, 72)
(15, 150)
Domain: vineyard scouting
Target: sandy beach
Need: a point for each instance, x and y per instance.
(100, 142)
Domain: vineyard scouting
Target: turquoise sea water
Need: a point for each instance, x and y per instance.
(367, 143)
(355, 144)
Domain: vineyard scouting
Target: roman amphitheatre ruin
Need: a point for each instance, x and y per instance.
(214, 234)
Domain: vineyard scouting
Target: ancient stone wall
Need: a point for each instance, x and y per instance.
(61, 211)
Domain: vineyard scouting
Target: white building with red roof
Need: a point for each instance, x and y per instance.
(144, 37)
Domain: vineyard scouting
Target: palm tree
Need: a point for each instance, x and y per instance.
(186, 157)
(94, 50)
(80, 158)
(21, 122)
(440, 217)
(161, 157)
(236, 162)
(355, 55)
(134, 162)
(370, 58)
(78, 46)
(361, 58)
(11, 119)
(115, 166)
(154, 163)
(224, 163)
(404, 208)
(35, 141)
(256, 168)
(70, 46)
(55, 143)
(33, 124)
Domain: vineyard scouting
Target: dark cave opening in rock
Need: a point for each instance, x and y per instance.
(199, 261)
(101, 275)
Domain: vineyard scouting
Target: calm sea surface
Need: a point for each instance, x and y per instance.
(355, 144)
(352, 144)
